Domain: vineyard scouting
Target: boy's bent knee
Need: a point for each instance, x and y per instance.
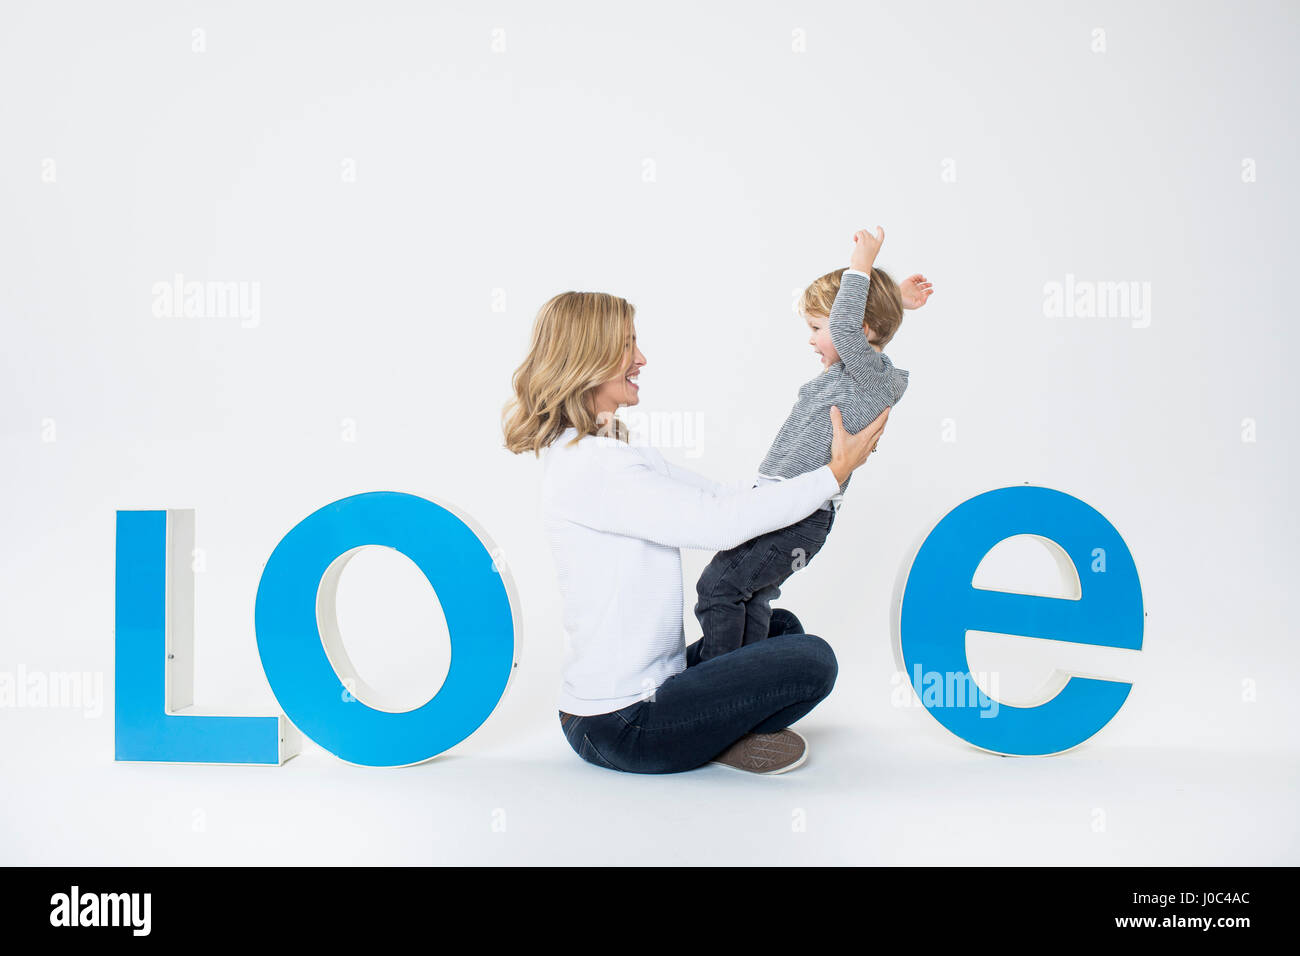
(784, 622)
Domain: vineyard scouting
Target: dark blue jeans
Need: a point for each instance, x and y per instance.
(696, 714)
(736, 590)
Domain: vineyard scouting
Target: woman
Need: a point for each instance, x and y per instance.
(634, 697)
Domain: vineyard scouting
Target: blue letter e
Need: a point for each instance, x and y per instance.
(940, 604)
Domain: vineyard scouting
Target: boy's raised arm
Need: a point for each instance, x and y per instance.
(847, 332)
(870, 368)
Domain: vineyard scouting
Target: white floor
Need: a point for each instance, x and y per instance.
(505, 797)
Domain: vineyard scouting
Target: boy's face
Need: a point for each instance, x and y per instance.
(820, 339)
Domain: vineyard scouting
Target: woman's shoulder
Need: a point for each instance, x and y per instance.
(575, 475)
(602, 450)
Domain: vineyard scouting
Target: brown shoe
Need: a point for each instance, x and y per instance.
(765, 753)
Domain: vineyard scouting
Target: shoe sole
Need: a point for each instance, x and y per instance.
(767, 773)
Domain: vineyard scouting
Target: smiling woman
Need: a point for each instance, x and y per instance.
(623, 388)
(634, 697)
(582, 346)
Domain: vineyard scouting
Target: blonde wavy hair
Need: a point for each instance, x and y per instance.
(580, 341)
(884, 302)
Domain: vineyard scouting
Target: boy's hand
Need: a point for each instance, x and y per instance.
(865, 248)
(915, 290)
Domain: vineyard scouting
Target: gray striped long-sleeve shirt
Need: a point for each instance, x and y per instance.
(863, 383)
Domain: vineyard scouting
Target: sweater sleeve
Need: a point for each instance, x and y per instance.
(632, 498)
(678, 473)
(872, 370)
(848, 335)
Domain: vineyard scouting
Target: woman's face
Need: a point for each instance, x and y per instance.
(622, 389)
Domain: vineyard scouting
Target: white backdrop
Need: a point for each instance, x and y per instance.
(395, 188)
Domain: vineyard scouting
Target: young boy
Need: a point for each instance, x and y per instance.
(866, 308)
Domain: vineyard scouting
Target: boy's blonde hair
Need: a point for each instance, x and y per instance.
(884, 303)
(579, 342)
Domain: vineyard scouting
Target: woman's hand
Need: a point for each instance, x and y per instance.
(850, 451)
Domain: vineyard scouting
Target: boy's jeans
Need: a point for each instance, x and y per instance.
(736, 590)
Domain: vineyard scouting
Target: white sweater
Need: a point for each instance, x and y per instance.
(617, 516)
